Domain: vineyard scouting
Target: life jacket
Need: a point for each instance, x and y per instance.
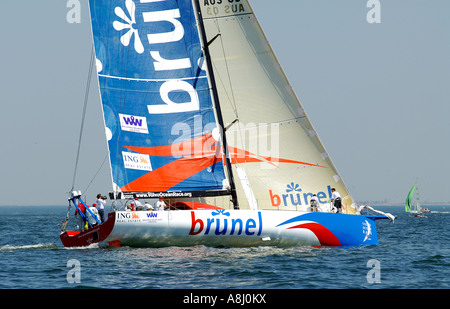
(82, 208)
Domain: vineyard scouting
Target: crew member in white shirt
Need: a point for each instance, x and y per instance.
(160, 204)
(336, 200)
(314, 203)
(92, 219)
(147, 206)
(101, 207)
(138, 204)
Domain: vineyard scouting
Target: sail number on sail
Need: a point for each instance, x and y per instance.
(230, 6)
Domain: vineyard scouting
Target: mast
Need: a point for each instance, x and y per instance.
(417, 199)
(212, 80)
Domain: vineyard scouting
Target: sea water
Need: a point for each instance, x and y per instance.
(413, 253)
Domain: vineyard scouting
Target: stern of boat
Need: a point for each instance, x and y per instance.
(96, 234)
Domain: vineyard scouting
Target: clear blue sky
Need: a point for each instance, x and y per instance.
(377, 94)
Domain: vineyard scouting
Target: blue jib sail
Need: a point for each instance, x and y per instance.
(160, 123)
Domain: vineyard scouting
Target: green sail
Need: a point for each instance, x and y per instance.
(408, 198)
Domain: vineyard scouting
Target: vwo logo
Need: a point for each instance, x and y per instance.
(226, 226)
(294, 197)
(133, 123)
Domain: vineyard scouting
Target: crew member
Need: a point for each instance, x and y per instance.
(160, 205)
(81, 218)
(314, 202)
(101, 207)
(336, 200)
(92, 219)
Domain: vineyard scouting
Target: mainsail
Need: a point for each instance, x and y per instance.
(160, 122)
(274, 149)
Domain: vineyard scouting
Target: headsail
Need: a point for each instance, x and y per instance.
(268, 132)
(160, 122)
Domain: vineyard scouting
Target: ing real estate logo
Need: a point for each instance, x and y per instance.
(136, 161)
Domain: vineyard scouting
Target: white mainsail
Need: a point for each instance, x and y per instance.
(270, 135)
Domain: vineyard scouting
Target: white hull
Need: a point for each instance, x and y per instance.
(239, 228)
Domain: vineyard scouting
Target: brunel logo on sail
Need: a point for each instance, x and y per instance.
(160, 40)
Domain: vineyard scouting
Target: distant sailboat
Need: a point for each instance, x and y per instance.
(198, 112)
(413, 208)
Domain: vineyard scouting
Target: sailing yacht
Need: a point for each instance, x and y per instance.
(199, 113)
(415, 209)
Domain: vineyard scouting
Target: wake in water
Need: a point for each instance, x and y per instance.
(27, 247)
(43, 246)
(91, 246)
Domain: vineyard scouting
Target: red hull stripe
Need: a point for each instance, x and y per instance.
(325, 236)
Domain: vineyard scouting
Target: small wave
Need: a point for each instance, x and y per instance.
(27, 247)
(91, 246)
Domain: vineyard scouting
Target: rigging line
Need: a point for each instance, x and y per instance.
(83, 117)
(124, 64)
(233, 100)
(229, 93)
(95, 176)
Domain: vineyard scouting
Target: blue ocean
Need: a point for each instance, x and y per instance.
(413, 253)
